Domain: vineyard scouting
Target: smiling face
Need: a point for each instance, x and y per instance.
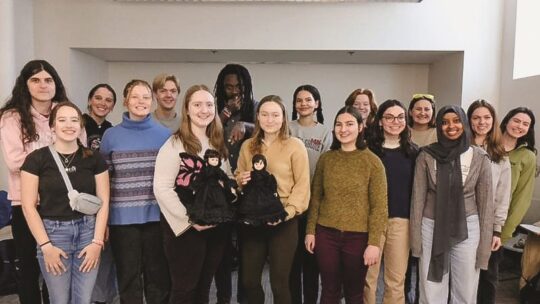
(270, 117)
(518, 125)
(167, 96)
(347, 129)
(393, 121)
(361, 102)
(102, 103)
(305, 104)
(139, 102)
(422, 112)
(67, 124)
(201, 109)
(481, 121)
(452, 127)
(41, 87)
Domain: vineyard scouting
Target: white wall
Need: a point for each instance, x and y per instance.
(471, 26)
(461, 25)
(86, 71)
(519, 92)
(16, 35)
(24, 32)
(527, 39)
(446, 80)
(7, 52)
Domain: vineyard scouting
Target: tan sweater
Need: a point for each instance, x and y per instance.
(424, 137)
(288, 162)
(349, 193)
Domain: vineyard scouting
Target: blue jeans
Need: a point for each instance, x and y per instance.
(72, 286)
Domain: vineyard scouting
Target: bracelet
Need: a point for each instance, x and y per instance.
(98, 242)
(47, 242)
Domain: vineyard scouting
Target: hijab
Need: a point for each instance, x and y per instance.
(450, 223)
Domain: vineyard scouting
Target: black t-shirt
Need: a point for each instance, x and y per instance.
(94, 132)
(53, 199)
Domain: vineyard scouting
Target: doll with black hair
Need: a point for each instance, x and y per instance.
(260, 201)
(213, 193)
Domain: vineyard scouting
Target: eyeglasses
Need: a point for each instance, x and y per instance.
(391, 118)
(423, 96)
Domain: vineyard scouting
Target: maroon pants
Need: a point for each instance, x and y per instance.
(341, 263)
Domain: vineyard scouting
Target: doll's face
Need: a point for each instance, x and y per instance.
(213, 161)
(258, 165)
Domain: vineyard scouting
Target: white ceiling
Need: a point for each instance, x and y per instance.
(299, 1)
(267, 56)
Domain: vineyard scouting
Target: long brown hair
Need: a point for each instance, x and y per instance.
(493, 141)
(214, 130)
(258, 134)
(372, 103)
(20, 101)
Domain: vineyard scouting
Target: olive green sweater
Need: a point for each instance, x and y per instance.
(523, 162)
(349, 193)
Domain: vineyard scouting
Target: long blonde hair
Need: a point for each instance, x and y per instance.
(258, 134)
(214, 130)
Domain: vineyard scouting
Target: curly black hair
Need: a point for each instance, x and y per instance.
(247, 108)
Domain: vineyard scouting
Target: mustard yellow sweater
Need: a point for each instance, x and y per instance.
(349, 193)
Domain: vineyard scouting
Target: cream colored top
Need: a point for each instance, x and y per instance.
(424, 137)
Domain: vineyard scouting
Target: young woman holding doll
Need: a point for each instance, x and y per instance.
(191, 270)
(287, 161)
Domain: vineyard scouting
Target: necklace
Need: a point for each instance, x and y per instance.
(67, 161)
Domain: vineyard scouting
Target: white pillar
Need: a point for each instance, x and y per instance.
(7, 64)
(7, 49)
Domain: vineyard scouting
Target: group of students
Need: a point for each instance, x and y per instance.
(449, 186)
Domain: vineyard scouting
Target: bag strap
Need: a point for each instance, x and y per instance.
(61, 168)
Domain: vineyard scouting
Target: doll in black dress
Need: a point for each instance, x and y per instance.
(213, 193)
(260, 201)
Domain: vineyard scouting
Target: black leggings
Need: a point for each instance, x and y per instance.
(193, 258)
(28, 268)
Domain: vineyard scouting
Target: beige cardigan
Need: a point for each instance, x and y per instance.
(478, 191)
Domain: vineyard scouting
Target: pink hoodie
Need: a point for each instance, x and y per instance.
(15, 152)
